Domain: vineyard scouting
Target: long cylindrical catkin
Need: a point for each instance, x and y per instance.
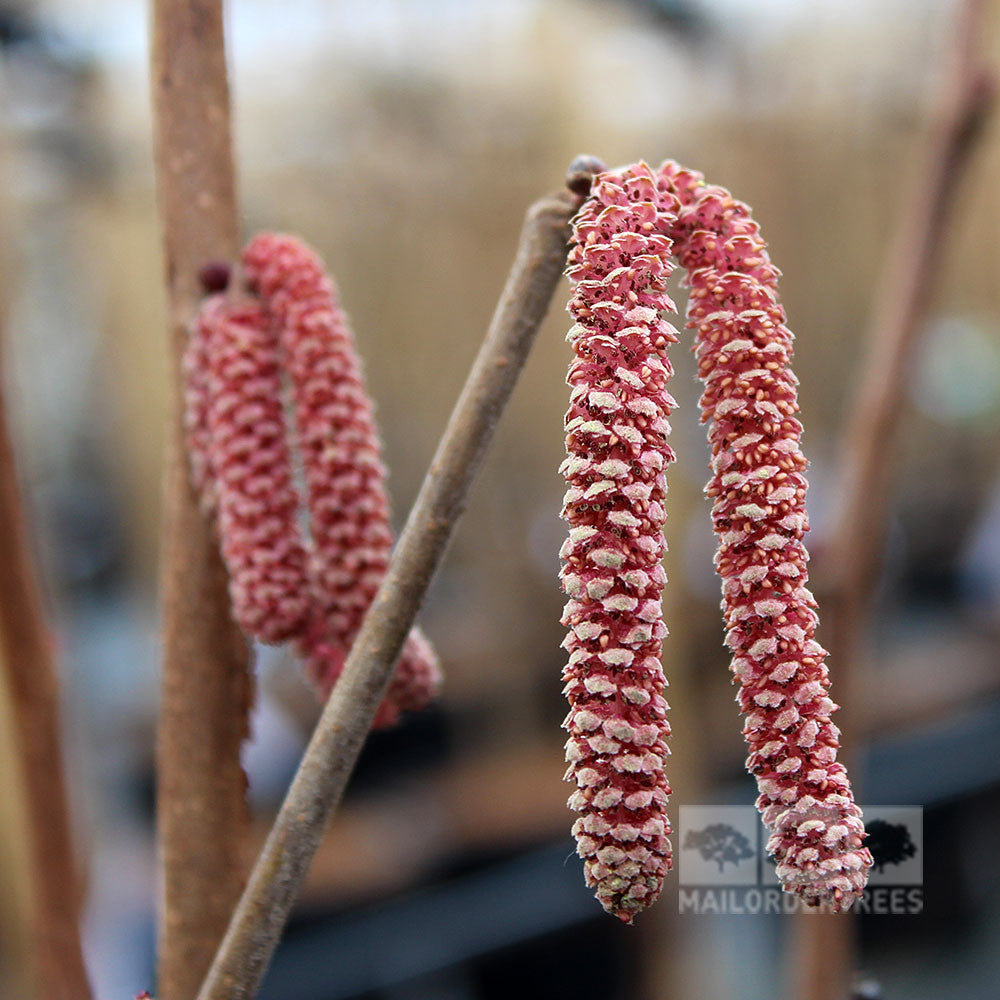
(616, 440)
(620, 258)
(758, 487)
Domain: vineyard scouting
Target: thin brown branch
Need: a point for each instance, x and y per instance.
(326, 767)
(901, 306)
(26, 658)
(202, 813)
(822, 946)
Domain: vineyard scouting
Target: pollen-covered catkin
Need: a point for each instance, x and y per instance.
(341, 455)
(758, 488)
(616, 441)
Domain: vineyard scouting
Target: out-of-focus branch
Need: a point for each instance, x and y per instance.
(822, 946)
(29, 669)
(319, 784)
(902, 304)
(202, 813)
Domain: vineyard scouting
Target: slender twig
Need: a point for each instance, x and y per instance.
(822, 948)
(28, 664)
(319, 784)
(202, 814)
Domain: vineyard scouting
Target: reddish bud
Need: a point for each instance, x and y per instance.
(214, 276)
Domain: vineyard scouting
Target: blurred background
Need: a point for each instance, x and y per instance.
(404, 141)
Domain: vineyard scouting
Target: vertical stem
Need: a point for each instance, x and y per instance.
(202, 812)
(822, 946)
(26, 658)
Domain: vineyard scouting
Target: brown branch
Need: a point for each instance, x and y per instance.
(319, 784)
(26, 658)
(900, 307)
(821, 952)
(202, 814)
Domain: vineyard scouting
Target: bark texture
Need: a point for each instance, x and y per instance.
(202, 813)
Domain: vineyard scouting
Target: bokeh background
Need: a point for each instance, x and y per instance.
(404, 141)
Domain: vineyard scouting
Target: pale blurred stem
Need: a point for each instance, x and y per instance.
(26, 657)
(315, 792)
(822, 949)
(201, 804)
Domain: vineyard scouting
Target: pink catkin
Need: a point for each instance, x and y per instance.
(242, 466)
(758, 486)
(616, 431)
(616, 428)
(341, 455)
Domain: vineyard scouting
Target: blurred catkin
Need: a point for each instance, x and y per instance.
(316, 590)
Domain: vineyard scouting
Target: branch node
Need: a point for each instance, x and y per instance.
(581, 173)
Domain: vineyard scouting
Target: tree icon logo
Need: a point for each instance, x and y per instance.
(721, 843)
(890, 843)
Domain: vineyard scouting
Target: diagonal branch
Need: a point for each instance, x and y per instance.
(319, 784)
(29, 669)
(201, 806)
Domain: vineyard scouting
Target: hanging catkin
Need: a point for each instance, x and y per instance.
(616, 439)
(241, 354)
(341, 454)
(758, 487)
(616, 428)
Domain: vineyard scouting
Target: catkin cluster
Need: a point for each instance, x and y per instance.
(250, 360)
(623, 239)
